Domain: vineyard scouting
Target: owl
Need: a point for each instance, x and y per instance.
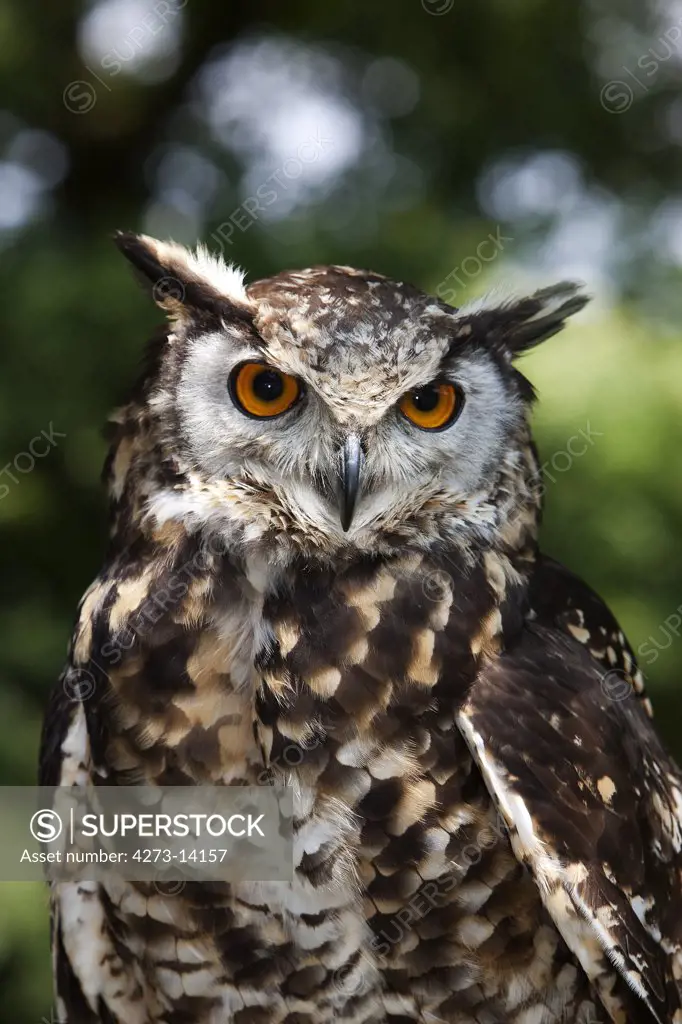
(323, 572)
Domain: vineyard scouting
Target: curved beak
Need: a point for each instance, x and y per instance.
(352, 459)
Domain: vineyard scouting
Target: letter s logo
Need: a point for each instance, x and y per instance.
(45, 826)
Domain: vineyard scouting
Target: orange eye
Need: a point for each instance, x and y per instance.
(432, 407)
(262, 391)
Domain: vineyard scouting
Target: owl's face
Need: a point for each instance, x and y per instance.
(336, 407)
(352, 445)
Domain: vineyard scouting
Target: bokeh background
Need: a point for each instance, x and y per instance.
(399, 136)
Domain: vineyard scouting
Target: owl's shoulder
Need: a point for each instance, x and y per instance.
(559, 598)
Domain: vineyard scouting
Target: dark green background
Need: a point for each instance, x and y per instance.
(558, 124)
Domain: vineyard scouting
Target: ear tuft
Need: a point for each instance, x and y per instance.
(516, 325)
(182, 280)
(549, 309)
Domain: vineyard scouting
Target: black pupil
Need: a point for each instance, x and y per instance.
(426, 399)
(268, 386)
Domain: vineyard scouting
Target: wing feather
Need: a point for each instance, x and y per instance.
(593, 806)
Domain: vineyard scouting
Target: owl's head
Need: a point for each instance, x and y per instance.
(332, 409)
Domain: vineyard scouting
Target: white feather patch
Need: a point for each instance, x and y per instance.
(223, 277)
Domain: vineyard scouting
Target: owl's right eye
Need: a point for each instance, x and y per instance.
(261, 391)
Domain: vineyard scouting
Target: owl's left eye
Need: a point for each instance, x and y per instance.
(261, 391)
(432, 407)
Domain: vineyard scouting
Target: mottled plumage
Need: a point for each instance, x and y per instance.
(487, 828)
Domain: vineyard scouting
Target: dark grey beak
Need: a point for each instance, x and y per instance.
(352, 459)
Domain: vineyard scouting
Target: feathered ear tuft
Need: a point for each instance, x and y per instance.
(516, 325)
(182, 280)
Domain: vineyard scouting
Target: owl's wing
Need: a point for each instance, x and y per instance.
(64, 760)
(593, 805)
(560, 598)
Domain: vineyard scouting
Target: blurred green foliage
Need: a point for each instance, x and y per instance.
(436, 123)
